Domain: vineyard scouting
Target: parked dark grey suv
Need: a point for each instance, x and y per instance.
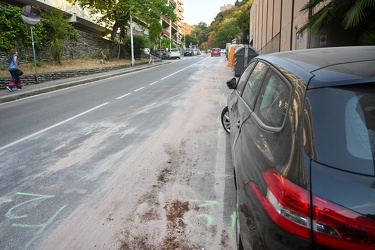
(302, 134)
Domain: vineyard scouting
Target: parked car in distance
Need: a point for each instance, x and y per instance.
(174, 53)
(302, 134)
(188, 52)
(160, 53)
(215, 52)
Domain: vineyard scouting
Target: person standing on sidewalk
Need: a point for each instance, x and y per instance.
(14, 70)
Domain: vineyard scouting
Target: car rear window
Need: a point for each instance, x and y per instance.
(344, 127)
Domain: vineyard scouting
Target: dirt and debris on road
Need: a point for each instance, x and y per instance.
(176, 191)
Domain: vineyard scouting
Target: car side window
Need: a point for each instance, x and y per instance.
(254, 83)
(244, 77)
(273, 101)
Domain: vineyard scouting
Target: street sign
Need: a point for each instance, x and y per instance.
(323, 40)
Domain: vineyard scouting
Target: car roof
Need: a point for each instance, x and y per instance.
(332, 66)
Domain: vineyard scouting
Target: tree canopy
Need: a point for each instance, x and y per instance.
(226, 32)
(226, 26)
(115, 14)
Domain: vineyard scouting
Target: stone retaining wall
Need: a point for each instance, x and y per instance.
(87, 46)
(50, 76)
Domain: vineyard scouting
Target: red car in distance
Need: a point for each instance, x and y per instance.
(215, 52)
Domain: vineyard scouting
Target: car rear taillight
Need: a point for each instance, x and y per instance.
(339, 227)
(288, 205)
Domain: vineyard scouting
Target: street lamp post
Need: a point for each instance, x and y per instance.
(170, 35)
(31, 15)
(131, 39)
(160, 51)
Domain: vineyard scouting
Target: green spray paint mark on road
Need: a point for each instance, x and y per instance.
(42, 226)
(233, 219)
(208, 218)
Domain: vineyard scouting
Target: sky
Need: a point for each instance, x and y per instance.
(196, 11)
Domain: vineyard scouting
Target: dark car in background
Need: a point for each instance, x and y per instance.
(189, 52)
(302, 136)
(160, 53)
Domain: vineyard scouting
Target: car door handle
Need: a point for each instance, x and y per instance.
(238, 124)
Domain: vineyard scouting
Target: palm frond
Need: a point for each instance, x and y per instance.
(355, 15)
(317, 21)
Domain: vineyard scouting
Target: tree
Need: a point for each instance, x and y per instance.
(155, 29)
(239, 24)
(165, 41)
(243, 19)
(189, 39)
(115, 14)
(53, 29)
(201, 32)
(350, 14)
(226, 32)
(138, 43)
(60, 31)
(15, 32)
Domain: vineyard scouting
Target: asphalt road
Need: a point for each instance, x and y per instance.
(134, 161)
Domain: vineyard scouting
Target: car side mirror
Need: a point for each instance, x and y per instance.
(232, 83)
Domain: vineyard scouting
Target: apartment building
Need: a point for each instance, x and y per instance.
(226, 7)
(275, 25)
(174, 30)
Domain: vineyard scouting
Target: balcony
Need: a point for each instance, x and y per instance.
(172, 4)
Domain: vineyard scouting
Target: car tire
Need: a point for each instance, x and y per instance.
(225, 119)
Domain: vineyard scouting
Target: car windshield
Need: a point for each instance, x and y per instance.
(344, 127)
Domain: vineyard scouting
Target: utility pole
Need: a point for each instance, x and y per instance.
(131, 39)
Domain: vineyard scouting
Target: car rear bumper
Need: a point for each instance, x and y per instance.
(255, 222)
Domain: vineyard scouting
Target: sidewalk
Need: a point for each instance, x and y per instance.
(44, 87)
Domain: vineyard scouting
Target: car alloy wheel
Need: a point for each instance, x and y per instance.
(225, 119)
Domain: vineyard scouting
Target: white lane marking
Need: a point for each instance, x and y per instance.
(118, 98)
(177, 72)
(51, 127)
(158, 81)
(139, 89)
